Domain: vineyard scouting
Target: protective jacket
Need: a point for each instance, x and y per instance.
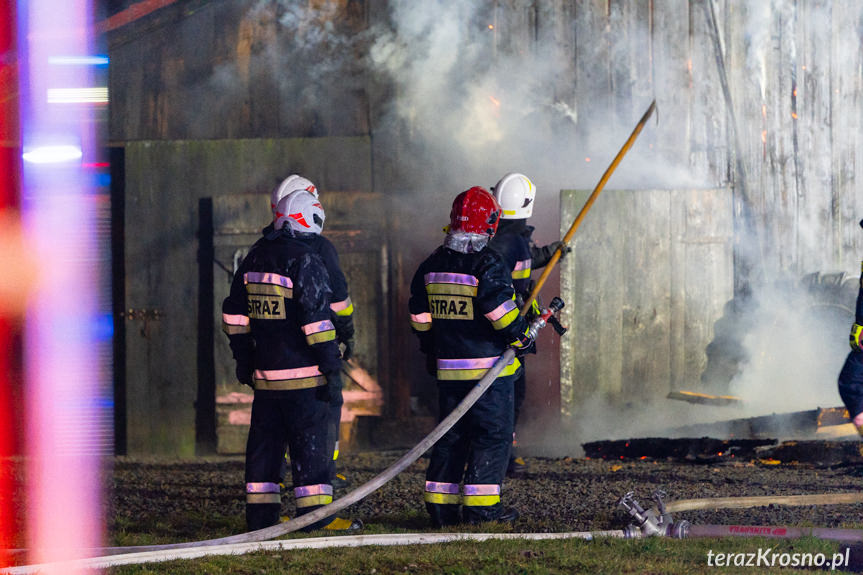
(463, 310)
(851, 376)
(514, 242)
(341, 307)
(277, 316)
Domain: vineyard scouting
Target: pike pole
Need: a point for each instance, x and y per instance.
(571, 232)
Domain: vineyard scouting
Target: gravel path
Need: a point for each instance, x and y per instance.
(565, 494)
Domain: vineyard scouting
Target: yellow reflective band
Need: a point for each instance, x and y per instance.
(451, 289)
(505, 319)
(321, 336)
(346, 311)
(290, 384)
(314, 500)
(235, 329)
(471, 374)
(421, 326)
(854, 338)
(520, 274)
(509, 212)
(480, 500)
(443, 498)
(269, 289)
(263, 498)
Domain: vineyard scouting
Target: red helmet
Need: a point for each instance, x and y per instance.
(475, 211)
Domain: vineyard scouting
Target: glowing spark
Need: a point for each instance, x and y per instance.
(764, 111)
(689, 65)
(52, 154)
(794, 115)
(494, 101)
(764, 136)
(491, 26)
(587, 159)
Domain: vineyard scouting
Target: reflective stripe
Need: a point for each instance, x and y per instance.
(480, 500)
(521, 270)
(451, 278)
(470, 369)
(314, 500)
(336, 451)
(262, 488)
(254, 498)
(319, 489)
(235, 329)
(450, 289)
(503, 315)
(268, 278)
(266, 283)
(482, 489)
(343, 308)
(442, 498)
(317, 326)
(518, 343)
(439, 487)
(288, 379)
(235, 319)
(263, 492)
(319, 331)
(421, 321)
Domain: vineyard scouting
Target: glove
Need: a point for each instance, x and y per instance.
(854, 338)
(332, 390)
(348, 351)
(244, 374)
(557, 245)
(522, 345)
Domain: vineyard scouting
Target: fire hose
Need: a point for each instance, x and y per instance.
(655, 522)
(547, 316)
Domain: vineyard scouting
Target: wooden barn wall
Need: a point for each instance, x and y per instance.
(792, 69)
(161, 224)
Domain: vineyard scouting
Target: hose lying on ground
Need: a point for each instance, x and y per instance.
(762, 501)
(310, 543)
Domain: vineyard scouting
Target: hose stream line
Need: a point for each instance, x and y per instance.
(360, 492)
(762, 501)
(587, 205)
(310, 543)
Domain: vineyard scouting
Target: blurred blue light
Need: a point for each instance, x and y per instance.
(79, 60)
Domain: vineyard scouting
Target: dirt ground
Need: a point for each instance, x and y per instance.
(170, 500)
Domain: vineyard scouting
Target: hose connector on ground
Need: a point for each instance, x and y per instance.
(655, 521)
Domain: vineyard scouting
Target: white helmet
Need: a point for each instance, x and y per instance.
(515, 194)
(301, 212)
(290, 184)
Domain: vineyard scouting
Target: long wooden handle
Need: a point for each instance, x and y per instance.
(571, 232)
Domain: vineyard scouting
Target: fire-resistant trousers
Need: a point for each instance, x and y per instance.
(851, 383)
(298, 418)
(481, 439)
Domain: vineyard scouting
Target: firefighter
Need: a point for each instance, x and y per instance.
(516, 194)
(463, 310)
(851, 376)
(277, 318)
(341, 309)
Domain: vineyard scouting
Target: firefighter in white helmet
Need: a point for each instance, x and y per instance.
(516, 194)
(341, 307)
(277, 319)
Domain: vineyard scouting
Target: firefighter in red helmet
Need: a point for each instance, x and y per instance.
(463, 310)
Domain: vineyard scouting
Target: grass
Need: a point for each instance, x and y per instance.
(601, 556)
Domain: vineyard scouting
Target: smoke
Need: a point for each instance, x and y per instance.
(468, 98)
